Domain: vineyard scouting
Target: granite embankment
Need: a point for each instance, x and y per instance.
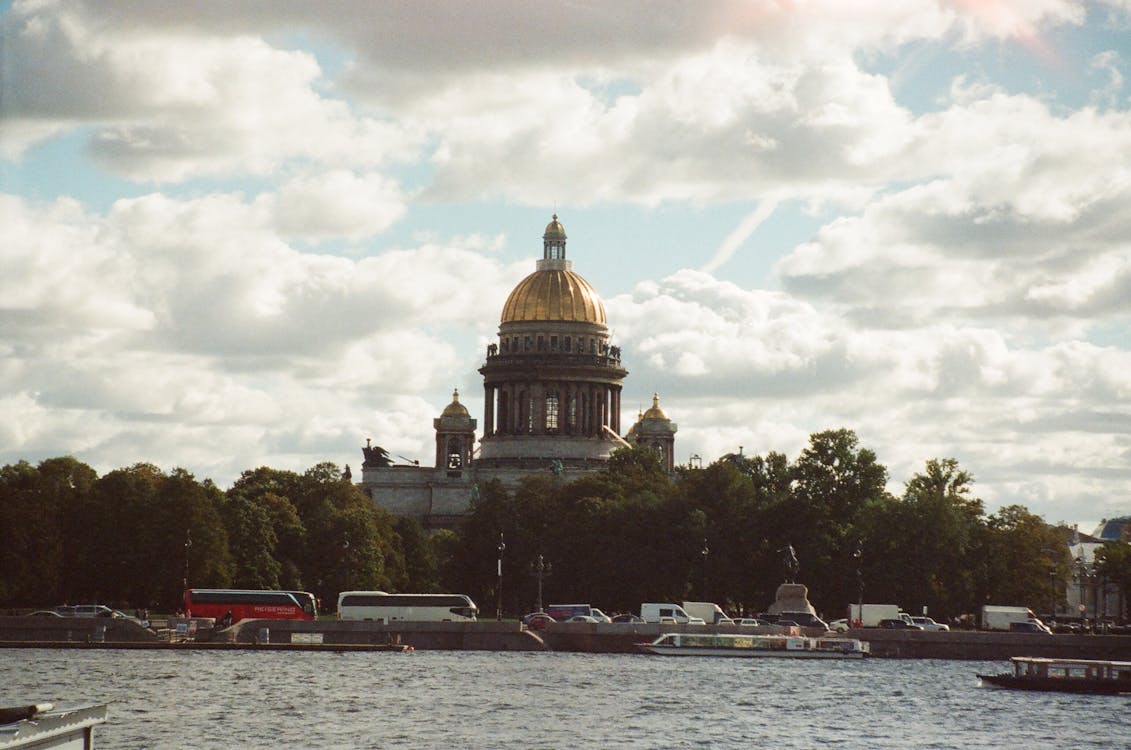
(511, 636)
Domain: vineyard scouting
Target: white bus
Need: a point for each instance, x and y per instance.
(379, 606)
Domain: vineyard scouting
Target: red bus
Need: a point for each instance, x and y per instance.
(248, 604)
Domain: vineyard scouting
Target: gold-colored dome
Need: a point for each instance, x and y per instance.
(655, 412)
(455, 408)
(554, 230)
(552, 295)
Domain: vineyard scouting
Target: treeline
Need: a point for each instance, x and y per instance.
(615, 539)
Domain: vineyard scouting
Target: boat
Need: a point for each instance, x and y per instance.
(41, 725)
(750, 646)
(1064, 675)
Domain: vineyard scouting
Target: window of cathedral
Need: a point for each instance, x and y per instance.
(552, 411)
(541, 344)
(527, 344)
(592, 346)
(565, 343)
(531, 406)
(553, 343)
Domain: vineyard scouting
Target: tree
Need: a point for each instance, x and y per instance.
(941, 523)
(1113, 563)
(1016, 552)
(833, 480)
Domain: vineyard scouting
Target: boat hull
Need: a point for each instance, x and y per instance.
(1056, 684)
(751, 653)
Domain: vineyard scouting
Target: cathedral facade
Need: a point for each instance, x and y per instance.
(552, 402)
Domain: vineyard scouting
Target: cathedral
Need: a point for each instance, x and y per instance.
(552, 402)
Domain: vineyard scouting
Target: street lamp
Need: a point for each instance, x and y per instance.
(859, 556)
(499, 588)
(1052, 594)
(542, 569)
(188, 545)
(705, 552)
(346, 562)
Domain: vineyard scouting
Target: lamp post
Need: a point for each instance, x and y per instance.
(346, 562)
(705, 552)
(859, 556)
(499, 588)
(1052, 594)
(542, 569)
(188, 546)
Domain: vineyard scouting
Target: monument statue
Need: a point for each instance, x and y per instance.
(376, 457)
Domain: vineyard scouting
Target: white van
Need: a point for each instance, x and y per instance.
(654, 612)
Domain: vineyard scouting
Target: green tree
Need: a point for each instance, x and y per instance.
(833, 480)
(1016, 550)
(34, 501)
(1113, 563)
(941, 524)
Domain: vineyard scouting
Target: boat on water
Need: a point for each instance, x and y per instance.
(752, 646)
(1064, 675)
(42, 725)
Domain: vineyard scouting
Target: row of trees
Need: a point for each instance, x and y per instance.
(626, 535)
(137, 535)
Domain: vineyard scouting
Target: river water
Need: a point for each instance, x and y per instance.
(461, 699)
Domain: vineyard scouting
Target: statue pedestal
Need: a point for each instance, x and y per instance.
(791, 597)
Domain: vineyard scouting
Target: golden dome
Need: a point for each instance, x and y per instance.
(553, 294)
(655, 412)
(554, 230)
(455, 408)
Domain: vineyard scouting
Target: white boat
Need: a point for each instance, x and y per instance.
(43, 726)
(752, 646)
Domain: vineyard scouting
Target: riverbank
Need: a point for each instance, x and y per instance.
(330, 635)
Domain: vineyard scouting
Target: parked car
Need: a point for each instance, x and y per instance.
(804, 619)
(85, 610)
(894, 624)
(582, 618)
(628, 617)
(537, 620)
(599, 616)
(929, 624)
(839, 626)
(1028, 627)
(751, 622)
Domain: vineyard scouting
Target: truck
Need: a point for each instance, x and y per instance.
(996, 617)
(665, 612)
(709, 612)
(869, 615)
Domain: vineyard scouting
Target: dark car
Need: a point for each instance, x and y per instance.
(804, 619)
(896, 624)
(628, 617)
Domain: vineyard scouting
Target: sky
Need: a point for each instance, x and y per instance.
(259, 233)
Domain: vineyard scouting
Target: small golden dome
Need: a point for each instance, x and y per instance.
(455, 408)
(554, 230)
(552, 295)
(655, 412)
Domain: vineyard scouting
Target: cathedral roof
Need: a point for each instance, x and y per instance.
(455, 408)
(655, 412)
(554, 294)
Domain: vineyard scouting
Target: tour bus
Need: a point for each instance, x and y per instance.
(245, 604)
(379, 606)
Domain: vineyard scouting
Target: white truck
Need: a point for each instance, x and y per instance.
(670, 613)
(869, 615)
(709, 612)
(995, 617)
